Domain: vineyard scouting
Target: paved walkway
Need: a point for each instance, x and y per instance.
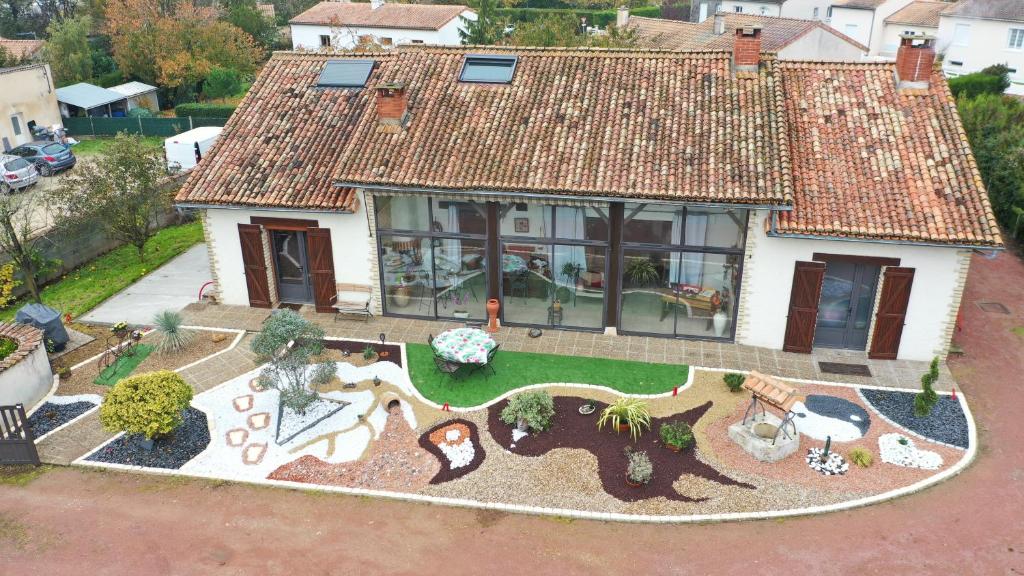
(82, 521)
(170, 287)
(894, 373)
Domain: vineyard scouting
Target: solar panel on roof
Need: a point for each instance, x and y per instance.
(488, 69)
(345, 73)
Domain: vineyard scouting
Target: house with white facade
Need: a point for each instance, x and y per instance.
(701, 10)
(920, 17)
(719, 195)
(975, 34)
(864, 20)
(788, 38)
(345, 25)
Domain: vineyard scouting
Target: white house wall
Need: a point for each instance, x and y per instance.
(805, 9)
(987, 44)
(870, 24)
(350, 244)
(307, 37)
(891, 36)
(820, 45)
(747, 7)
(768, 279)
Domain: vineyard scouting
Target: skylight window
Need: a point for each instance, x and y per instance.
(488, 69)
(345, 74)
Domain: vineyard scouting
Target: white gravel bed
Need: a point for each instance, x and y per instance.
(901, 450)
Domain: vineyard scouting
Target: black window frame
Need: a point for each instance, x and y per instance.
(512, 63)
(370, 64)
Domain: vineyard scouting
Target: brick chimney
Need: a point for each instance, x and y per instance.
(392, 106)
(914, 61)
(746, 50)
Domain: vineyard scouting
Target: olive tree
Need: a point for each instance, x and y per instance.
(289, 343)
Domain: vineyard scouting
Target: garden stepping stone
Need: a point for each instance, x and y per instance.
(237, 437)
(253, 453)
(259, 421)
(243, 403)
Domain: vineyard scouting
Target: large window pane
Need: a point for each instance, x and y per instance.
(581, 223)
(402, 212)
(521, 219)
(652, 223)
(647, 295)
(715, 227)
(459, 217)
(705, 295)
(406, 267)
(526, 283)
(580, 281)
(460, 274)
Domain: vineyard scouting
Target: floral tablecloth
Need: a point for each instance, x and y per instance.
(464, 345)
(512, 263)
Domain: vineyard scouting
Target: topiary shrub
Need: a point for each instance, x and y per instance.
(535, 410)
(860, 456)
(926, 399)
(734, 381)
(677, 434)
(171, 337)
(150, 404)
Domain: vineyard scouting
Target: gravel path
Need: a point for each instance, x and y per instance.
(191, 438)
(947, 422)
(51, 416)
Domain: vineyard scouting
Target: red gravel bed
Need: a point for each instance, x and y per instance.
(446, 474)
(570, 429)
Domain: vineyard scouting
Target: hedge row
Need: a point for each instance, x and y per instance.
(204, 110)
(599, 18)
(972, 85)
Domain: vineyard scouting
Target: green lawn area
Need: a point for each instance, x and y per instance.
(96, 146)
(85, 287)
(517, 369)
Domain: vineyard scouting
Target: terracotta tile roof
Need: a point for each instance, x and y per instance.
(22, 48)
(1012, 10)
(408, 16)
(869, 162)
(920, 13)
(776, 33)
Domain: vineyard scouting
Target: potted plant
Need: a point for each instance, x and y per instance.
(676, 436)
(626, 414)
(529, 411)
(642, 271)
(120, 329)
(369, 354)
(639, 470)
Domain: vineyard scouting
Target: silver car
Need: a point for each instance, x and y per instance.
(16, 173)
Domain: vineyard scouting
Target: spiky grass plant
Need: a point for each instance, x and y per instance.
(171, 337)
(631, 412)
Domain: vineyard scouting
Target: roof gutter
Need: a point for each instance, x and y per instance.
(774, 233)
(549, 197)
(192, 205)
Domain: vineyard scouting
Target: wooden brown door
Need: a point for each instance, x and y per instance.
(803, 306)
(892, 312)
(254, 262)
(321, 266)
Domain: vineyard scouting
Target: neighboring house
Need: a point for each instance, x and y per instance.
(31, 50)
(975, 34)
(139, 95)
(345, 25)
(791, 39)
(920, 17)
(721, 195)
(84, 99)
(28, 99)
(701, 10)
(864, 20)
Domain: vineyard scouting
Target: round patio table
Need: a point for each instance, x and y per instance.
(464, 345)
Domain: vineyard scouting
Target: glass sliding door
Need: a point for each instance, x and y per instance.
(460, 278)
(407, 275)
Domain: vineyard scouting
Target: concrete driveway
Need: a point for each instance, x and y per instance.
(170, 287)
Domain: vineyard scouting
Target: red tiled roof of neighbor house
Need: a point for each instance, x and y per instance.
(920, 13)
(1012, 10)
(835, 143)
(871, 162)
(406, 16)
(776, 33)
(22, 48)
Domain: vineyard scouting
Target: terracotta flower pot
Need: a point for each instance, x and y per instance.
(631, 483)
(492, 314)
(673, 447)
(623, 427)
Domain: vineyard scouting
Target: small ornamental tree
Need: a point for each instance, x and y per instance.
(926, 399)
(289, 343)
(533, 410)
(150, 404)
(221, 83)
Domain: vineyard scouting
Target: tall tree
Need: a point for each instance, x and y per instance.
(221, 83)
(124, 191)
(22, 220)
(68, 50)
(552, 30)
(487, 28)
(246, 15)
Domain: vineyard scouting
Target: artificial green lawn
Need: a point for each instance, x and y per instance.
(95, 146)
(517, 369)
(85, 287)
(123, 366)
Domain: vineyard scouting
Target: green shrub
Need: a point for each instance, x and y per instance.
(862, 457)
(7, 347)
(198, 110)
(926, 399)
(369, 352)
(991, 80)
(535, 409)
(150, 404)
(678, 434)
(171, 337)
(632, 412)
(140, 112)
(734, 381)
(638, 466)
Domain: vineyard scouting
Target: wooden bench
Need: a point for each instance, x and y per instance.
(353, 299)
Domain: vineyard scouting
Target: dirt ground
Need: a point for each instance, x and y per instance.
(73, 521)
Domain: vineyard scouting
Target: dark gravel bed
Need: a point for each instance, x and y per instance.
(51, 416)
(569, 429)
(388, 352)
(171, 452)
(840, 409)
(947, 422)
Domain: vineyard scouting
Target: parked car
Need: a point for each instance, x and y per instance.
(48, 157)
(16, 173)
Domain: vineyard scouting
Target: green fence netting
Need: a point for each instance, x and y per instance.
(144, 126)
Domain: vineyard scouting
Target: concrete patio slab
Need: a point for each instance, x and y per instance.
(170, 287)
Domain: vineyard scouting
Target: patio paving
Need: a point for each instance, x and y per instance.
(886, 373)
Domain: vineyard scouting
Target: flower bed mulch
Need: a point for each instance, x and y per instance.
(572, 430)
(946, 423)
(191, 438)
(50, 416)
(385, 352)
(431, 440)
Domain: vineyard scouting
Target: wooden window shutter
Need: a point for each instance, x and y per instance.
(321, 265)
(891, 313)
(803, 306)
(254, 262)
